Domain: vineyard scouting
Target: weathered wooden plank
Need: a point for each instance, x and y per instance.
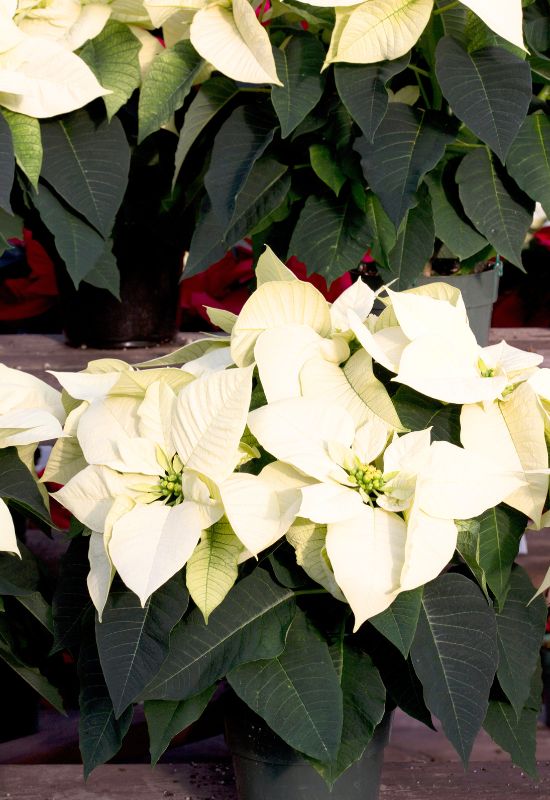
(484, 781)
(37, 353)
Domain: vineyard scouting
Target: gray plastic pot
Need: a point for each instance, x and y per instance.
(479, 291)
(268, 769)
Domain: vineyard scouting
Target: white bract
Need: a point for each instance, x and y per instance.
(425, 338)
(159, 471)
(40, 76)
(374, 552)
(30, 412)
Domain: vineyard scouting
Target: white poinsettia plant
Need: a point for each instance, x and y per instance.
(30, 412)
(318, 476)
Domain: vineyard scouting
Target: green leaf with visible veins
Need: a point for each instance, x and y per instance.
(496, 208)
(455, 655)
(414, 246)
(398, 622)
(520, 628)
(113, 57)
(167, 718)
(27, 143)
(250, 624)
(133, 640)
(7, 165)
(212, 96)
(331, 236)
(299, 68)
(297, 693)
(364, 699)
(213, 568)
(166, 85)
(529, 158)
(407, 145)
(489, 90)
(362, 89)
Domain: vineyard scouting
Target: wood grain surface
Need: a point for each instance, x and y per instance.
(483, 781)
(38, 353)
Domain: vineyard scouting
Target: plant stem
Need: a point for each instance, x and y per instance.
(302, 592)
(448, 7)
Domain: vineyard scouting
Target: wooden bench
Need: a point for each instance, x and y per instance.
(37, 353)
(483, 781)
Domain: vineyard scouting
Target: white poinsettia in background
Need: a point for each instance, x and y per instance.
(30, 412)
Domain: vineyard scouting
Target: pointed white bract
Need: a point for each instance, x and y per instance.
(368, 506)
(30, 412)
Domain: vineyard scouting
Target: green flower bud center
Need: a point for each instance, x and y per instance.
(368, 478)
(170, 489)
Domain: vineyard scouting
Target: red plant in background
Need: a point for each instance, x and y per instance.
(542, 237)
(33, 294)
(229, 282)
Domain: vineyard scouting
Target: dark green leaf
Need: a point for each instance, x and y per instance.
(417, 412)
(133, 640)
(467, 545)
(113, 57)
(451, 226)
(384, 235)
(407, 145)
(517, 736)
(7, 165)
(297, 693)
(105, 274)
(495, 208)
(38, 607)
(250, 624)
(326, 167)
(87, 165)
(540, 66)
(400, 680)
(27, 143)
(210, 99)
(330, 237)
(167, 83)
(19, 577)
(489, 90)
(265, 189)
(79, 246)
(11, 227)
(240, 142)
(455, 655)
(414, 246)
(537, 27)
(100, 732)
(500, 530)
(299, 69)
(362, 89)
(520, 628)
(33, 677)
(167, 718)
(398, 622)
(364, 700)
(71, 600)
(19, 487)
(529, 158)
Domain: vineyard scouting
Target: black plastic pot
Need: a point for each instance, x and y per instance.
(147, 312)
(266, 768)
